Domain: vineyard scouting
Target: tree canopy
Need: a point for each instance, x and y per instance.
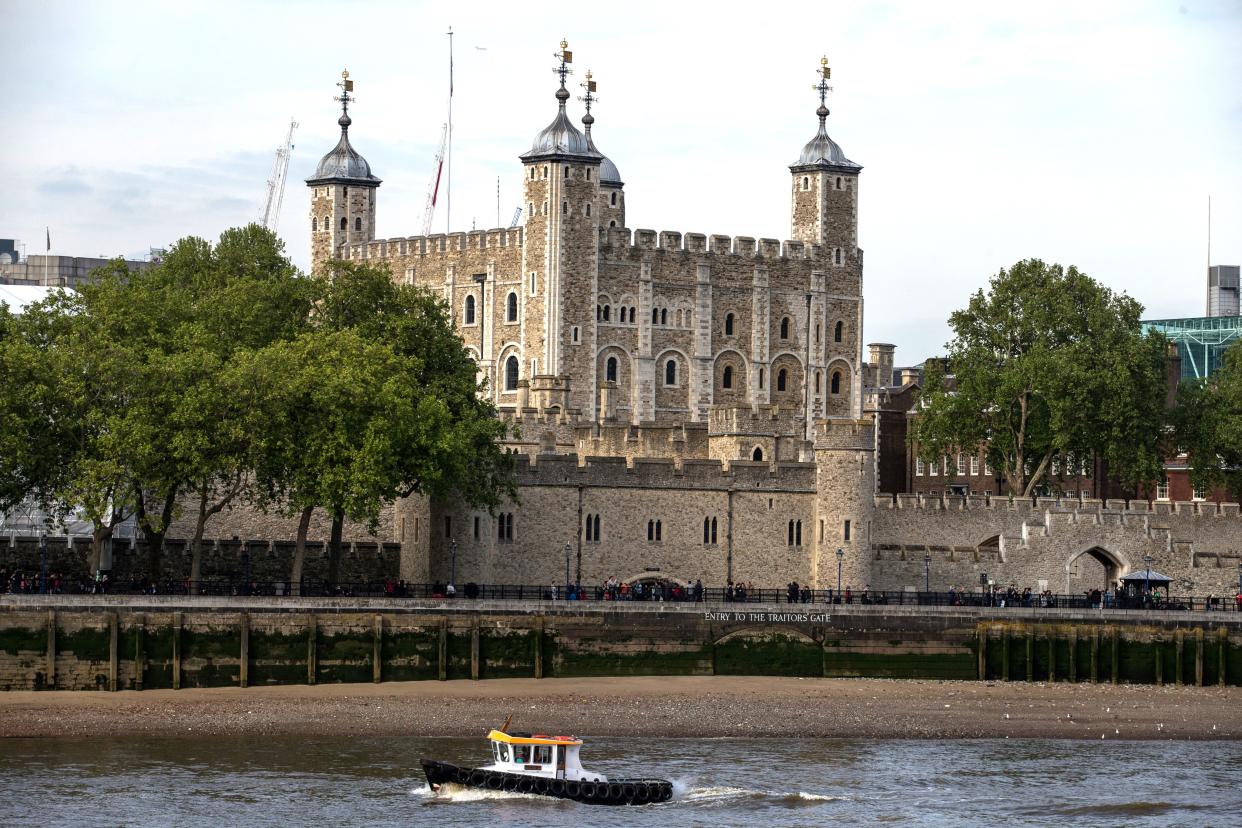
(1048, 362)
(222, 374)
(1209, 425)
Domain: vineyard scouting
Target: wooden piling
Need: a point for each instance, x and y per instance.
(1199, 657)
(1005, 655)
(176, 650)
(1157, 651)
(981, 636)
(474, 652)
(312, 648)
(1073, 654)
(1095, 655)
(1116, 656)
(377, 668)
(113, 654)
(442, 660)
(539, 647)
(1030, 655)
(50, 682)
(1179, 649)
(139, 629)
(243, 657)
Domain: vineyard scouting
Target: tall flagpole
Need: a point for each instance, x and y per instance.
(448, 172)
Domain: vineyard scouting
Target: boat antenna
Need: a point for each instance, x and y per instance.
(504, 728)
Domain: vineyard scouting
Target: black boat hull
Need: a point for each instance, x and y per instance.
(613, 792)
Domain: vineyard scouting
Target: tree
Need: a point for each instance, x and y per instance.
(1208, 423)
(1048, 362)
(378, 401)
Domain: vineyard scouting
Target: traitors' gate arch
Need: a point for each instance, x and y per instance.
(1114, 567)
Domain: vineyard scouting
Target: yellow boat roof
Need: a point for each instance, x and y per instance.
(537, 739)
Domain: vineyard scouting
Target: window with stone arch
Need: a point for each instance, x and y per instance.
(837, 331)
(612, 224)
(728, 324)
(610, 369)
(511, 373)
(709, 531)
(806, 182)
(344, 223)
(663, 316)
(468, 313)
(760, 379)
(358, 224)
(785, 327)
(757, 455)
(817, 382)
(726, 378)
(835, 386)
(670, 372)
(655, 316)
(613, 200)
(314, 223)
(588, 209)
(607, 313)
(511, 308)
(782, 377)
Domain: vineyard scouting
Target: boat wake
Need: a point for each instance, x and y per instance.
(720, 796)
(456, 794)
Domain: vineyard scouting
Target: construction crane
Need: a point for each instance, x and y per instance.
(276, 183)
(433, 187)
(517, 214)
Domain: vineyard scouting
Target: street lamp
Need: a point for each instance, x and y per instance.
(568, 549)
(453, 562)
(840, 558)
(927, 572)
(1147, 559)
(43, 563)
(1240, 577)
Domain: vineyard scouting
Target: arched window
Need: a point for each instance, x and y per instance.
(613, 199)
(610, 369)
(314, 223)
(469, 312)
(655, 316)
(607, 313)
(663, 316)
(726, 379)
(504, 527)
(358, 224)
(713, 530)
(707, 530)
(653, 530)
(511, 373)
(785, 328)
(344, 223)
(588, 209)
(757, 454)
(760, 379)
(790, 541)
(728, 324)
(612, 224)
(781, 377)
(599, 313)
(817, 382)
(798, 533)
(621, 314)
(511, 308)
(838, 182)
(588, 528)
(837, 330)
(596, 528)
(836, 382)
(670, 372)
(816, 333)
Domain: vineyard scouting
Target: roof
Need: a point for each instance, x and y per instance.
(560, 137)
(17, 297)
(1147, 575)
(343, 163)
(822, 152)
(536, 739)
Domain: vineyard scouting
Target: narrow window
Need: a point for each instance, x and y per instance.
(509, 526)
(588, 177)
(621, 314)
(840, 256)
(597, 529)
(839, 182)
(575, 331)
(974, 466)
(610, 370)
(532, 284)
(469, 312)
(836, 382)
(511, 309)
(534, 367)
(837, 330)
(566, 172)
(588, 209)
(564, 208)
(448, 526)
(726, 379)
(511, 373)
(314, 223)
(532, 173)
(589, 529)
(344, 223)
(657, 530)
(599, 313)
(798, 533)
(847, 530)
(757, 455)
(919, 467)
(707, 530)
(613, 199)
(806, 182)
(785, 328)
(760, 379)
(607, 313)
(655, 316)
(545, 171)
(713, 530)
(663, 316)
(476, 527)
(650, 530)
(961, 464)
(670, 372)
(816, 333)
(728, 324)
(817, 382)
(789, 540)
(612, 224)
(780, 380)
(358, 224)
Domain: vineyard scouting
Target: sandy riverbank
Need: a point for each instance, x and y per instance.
(683, 706)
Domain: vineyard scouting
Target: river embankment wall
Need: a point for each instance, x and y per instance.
(141, 642)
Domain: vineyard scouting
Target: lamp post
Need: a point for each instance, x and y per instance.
(453, 562)
(1240, 577)
(927, 572)
(1147, 559)
(840, 559)
(43, 563)
(568, 549)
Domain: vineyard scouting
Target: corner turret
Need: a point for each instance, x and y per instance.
(825, 188)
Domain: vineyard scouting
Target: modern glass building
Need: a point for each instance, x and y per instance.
(1201, 341)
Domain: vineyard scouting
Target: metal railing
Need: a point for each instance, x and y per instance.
(658, 592)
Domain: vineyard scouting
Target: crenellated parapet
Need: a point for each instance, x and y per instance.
(775, 419)
(622, 243)
(664, 473)
(437, 244)
(1069, 507)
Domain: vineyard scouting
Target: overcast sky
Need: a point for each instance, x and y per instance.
(1083, 133)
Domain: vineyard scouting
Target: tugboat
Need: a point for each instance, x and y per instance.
(547, 766)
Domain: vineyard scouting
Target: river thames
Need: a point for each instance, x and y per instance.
(211, 781)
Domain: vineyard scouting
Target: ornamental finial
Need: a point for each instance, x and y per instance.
(566, 57)
(825, 74)
(588, 99)
(346, 86)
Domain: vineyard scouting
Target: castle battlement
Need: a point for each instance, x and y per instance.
(1059, 509)
(663, 473)
(435, 244)
(765, 419)
(621, 242)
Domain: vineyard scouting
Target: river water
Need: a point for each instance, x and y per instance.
(200, 781)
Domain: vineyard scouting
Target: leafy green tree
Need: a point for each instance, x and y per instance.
(1048, 362)
(1208, 421)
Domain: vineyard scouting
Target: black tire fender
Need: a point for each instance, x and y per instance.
(615, 791)
(573, 788)
(494, 781)
(478, 778)
(629, 791)
(541, 786)
(556, 787)
(587, 789)
(462, 776)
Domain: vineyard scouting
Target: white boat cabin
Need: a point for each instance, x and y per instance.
(552, 757)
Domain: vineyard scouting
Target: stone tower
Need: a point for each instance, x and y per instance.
(560, 254)
(825, 189)
(611, 207)
(844, 501)
(343, 191)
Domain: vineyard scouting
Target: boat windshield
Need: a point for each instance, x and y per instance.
(521, 754)
(542, 755)
(501, 751)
